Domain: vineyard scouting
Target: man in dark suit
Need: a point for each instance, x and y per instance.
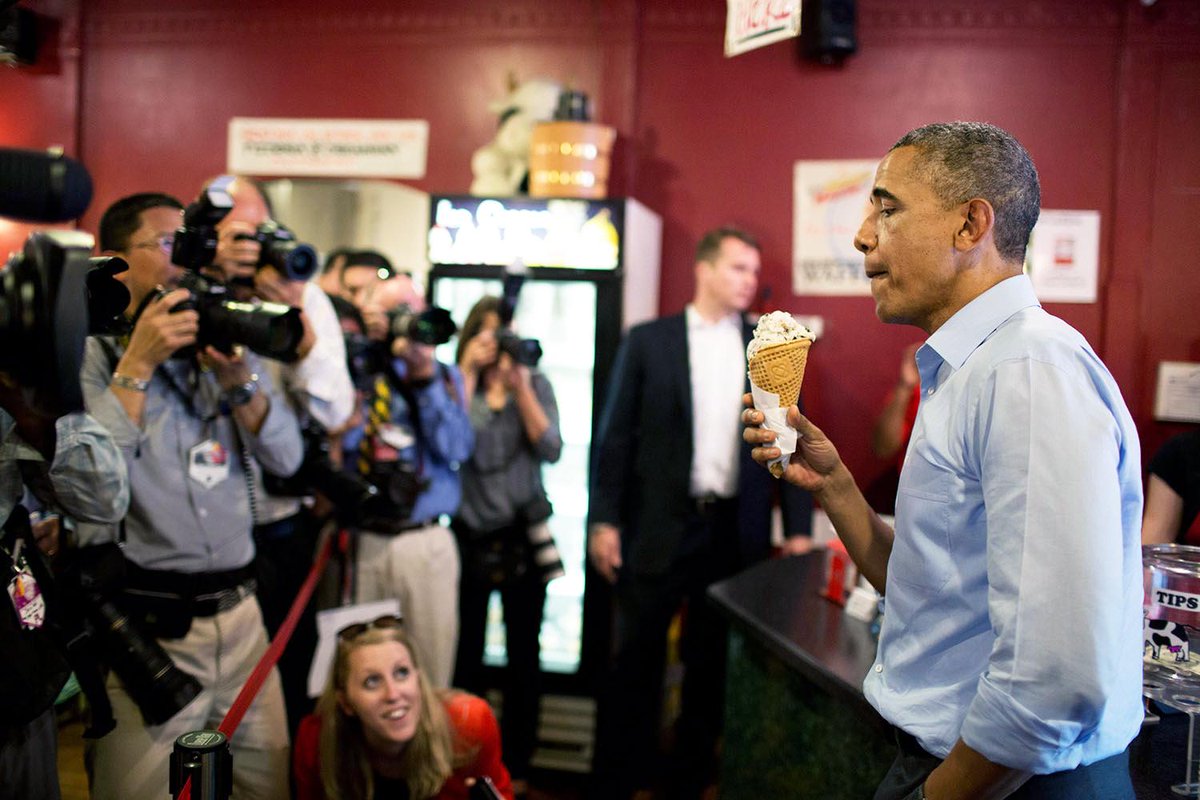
(676, 505)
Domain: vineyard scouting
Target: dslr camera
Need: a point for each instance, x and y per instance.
(527, 352)
(278, 248)
(269, 329)
(432, 326)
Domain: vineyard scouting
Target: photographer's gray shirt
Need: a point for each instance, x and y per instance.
(175, 522)
(504, 472)
(88, 474)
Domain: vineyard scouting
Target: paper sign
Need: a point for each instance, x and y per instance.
(1063, 258)
(753, 23)
(341, 148)
(1177, 398)
(832, 199)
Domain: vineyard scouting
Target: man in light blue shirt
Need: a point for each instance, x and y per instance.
(1009, 659)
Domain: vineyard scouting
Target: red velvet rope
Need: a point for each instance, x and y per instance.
(265, 664)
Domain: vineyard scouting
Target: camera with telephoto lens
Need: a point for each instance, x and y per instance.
(92, 578)
(53, 295)
(278, 248)
(527, 352)
(353, 496)
(269, 329)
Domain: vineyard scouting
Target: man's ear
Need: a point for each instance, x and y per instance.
(978, 220)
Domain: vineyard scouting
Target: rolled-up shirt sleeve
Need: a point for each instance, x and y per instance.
(88, 473)
(1051, 452)
(322, 378)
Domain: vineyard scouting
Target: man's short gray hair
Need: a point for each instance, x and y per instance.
(963, 160)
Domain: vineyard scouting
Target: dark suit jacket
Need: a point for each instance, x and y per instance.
(643, 457)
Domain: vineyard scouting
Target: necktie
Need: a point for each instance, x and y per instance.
(377, 415)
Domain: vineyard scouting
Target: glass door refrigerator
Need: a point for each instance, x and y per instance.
(592, 270)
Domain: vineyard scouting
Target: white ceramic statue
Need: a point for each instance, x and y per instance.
(500, 166)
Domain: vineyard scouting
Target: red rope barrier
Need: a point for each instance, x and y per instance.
(265, 664)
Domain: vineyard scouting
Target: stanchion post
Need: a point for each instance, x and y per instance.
(202, 759)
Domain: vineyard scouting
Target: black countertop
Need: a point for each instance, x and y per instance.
(779, 601)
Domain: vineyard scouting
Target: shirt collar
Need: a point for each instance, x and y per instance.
(695, 321)
(973, 323)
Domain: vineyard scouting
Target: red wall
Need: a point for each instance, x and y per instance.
(39, 103)
(1104, 93)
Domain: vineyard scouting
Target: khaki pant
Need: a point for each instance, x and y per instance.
(132, 762)
(419, 568)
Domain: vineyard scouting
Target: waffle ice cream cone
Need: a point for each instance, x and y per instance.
(777, 356)
(780, 369)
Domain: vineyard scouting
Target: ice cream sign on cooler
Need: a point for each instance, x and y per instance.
(575, 234)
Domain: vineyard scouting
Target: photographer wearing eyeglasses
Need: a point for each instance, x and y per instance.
(413, 436)
(193, 424)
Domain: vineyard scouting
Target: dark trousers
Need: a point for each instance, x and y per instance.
(29, 759)
(1107, 779)
(630, 708)
(284, 556)
(523, 600)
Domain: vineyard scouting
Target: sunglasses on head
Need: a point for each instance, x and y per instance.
(356, 629)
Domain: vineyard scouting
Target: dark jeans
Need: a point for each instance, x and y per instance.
(630, 706)
(284, 556)
(523, 600)
(29, 759)
(1107, 779)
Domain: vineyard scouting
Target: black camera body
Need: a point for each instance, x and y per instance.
(353, 496)
(433, 326)
(196, 240)
(279, 248)
(269, 329)
(523, 351)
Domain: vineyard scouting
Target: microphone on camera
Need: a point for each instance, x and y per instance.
(42, 186)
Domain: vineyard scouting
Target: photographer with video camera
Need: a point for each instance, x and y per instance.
(414, 434)
(52, 456)
(193, 414)
(503, 536)
(255, 263)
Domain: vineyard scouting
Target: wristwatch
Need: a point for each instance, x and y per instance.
(240, 395)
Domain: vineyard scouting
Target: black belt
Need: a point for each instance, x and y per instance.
(710, 503)
(207, 592)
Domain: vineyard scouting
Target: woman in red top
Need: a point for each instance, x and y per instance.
(381, 732)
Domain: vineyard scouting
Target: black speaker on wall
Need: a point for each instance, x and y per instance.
(827, 30)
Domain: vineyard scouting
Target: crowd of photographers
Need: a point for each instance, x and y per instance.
(239, 409)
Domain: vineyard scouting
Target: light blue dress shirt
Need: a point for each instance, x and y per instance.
(1014, 587)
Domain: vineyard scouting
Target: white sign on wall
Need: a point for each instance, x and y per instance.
(1177, 395)
(831, 200)
(1063, 258)
(343, 148)
(754, 23)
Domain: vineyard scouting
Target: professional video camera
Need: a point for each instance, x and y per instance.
(523, 351)
(270, 329)
(52, 294)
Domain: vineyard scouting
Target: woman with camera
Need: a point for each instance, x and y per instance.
(382, 731)
(504, 541)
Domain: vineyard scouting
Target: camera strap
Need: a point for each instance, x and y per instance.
(414, 411)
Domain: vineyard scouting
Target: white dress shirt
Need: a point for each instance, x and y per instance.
(717, 358)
